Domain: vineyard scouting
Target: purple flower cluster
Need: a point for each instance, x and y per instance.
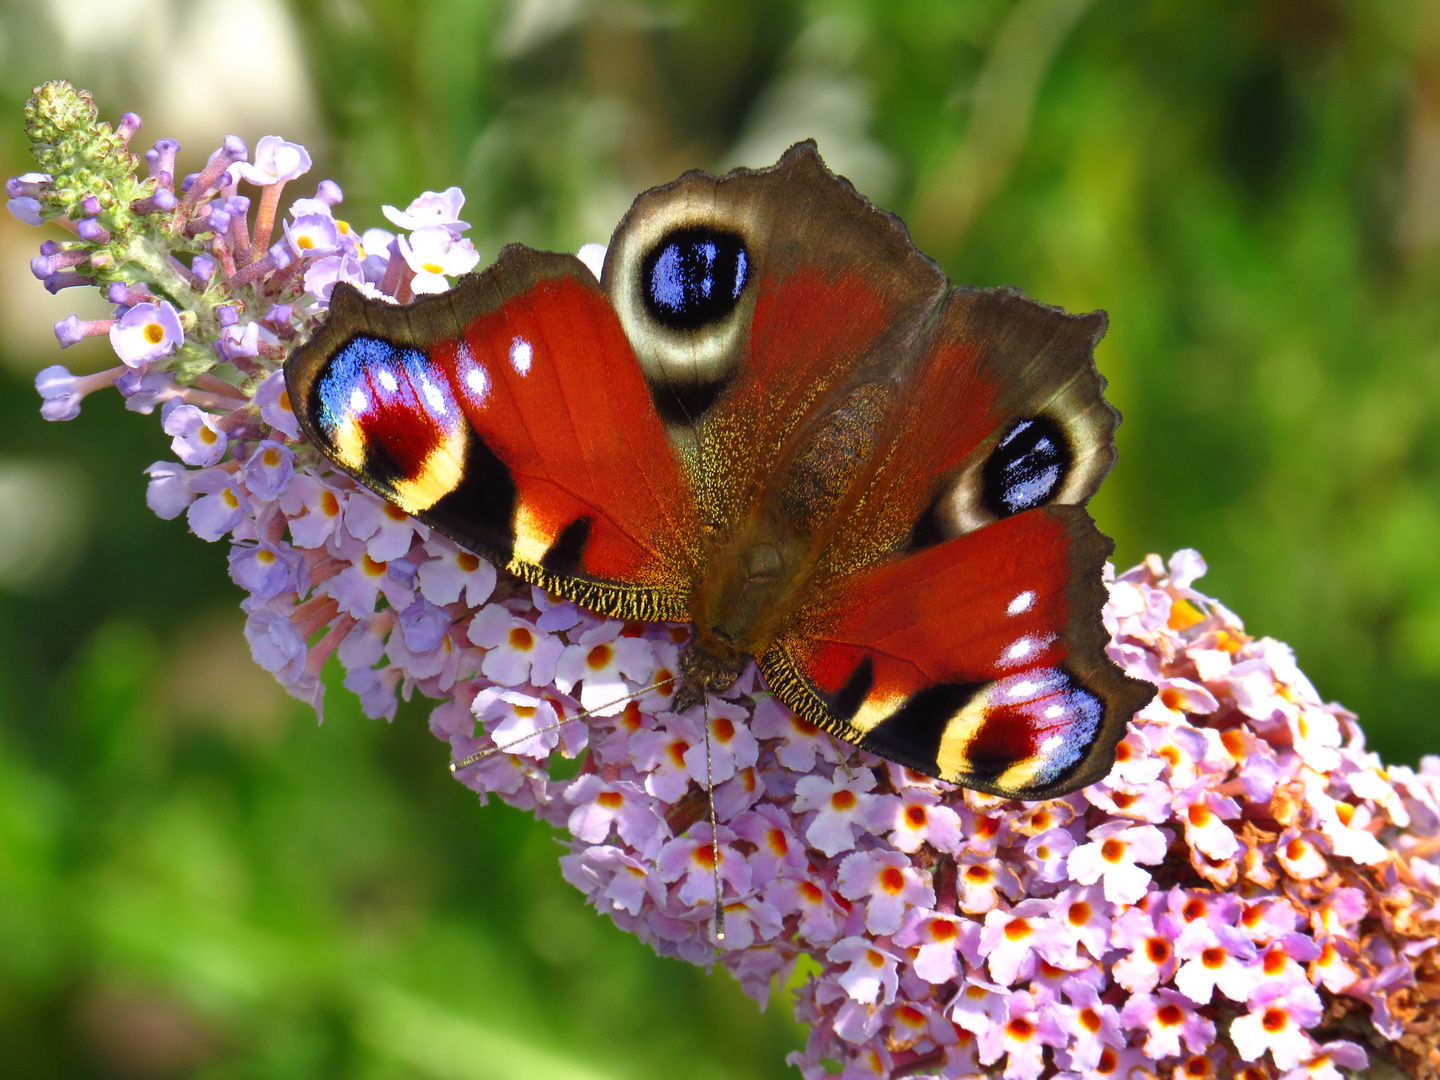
(1249, 893)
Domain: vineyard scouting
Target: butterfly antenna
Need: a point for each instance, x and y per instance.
(714, 830)
(491, 751)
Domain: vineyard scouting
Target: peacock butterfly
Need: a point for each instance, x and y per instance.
(772, 418)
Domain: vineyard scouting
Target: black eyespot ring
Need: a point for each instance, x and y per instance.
(693, 277)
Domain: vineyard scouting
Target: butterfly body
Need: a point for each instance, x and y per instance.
(774, 420)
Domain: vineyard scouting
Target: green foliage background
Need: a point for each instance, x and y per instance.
(196, 881)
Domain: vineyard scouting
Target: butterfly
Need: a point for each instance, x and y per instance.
(774, 419)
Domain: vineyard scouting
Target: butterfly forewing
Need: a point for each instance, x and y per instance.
(509, 415)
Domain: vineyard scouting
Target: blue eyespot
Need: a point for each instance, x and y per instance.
(1028, 467)
(370, 378)
(694, 277)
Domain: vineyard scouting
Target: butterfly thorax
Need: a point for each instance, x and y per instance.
(737, 609)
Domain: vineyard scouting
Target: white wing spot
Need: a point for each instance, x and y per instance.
(358, 401)
(1025, 688)
(521, 354)
(1054, 712)
(387, 380)
(1021, 604)
(434, 397)
(478, 382)
(1054, 742)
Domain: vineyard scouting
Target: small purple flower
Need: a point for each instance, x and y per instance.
(432, 209)
(324, 273)
(357, 587)
(600, 805)
(690, 860)
(1028, 1029)
(1094, 1024)
(269, 470)
(1168, 1019)
(276, 162)
(800, 741)
(842, 806)
(275, 644)
(26, 210)
(72, 329)
(732, 747)
(143, 390)
(602, 660)
(312, 235)
(265, 570)
(239, 340)
(1113, 854)
(435, 254)
(198, 440)
(516, 722)
(888, 884)
(518, 651)
(661, 754)
(375, 249)
(424, 625)
(92, 231)
(1214, 955)
(168, 494)
(146, 332)
(1051, 852)
(387, 530)
(30, 184)
(919, 818)
(1326, 1064)
(1013, 940)
(449, 572)
(61, 392)
(274, 402)
(1276, 1022)
(1146, 944)
(777, 849)
(221, 505)
(870, 977)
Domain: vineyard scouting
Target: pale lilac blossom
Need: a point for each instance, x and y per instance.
(146, 332)
(276, 162)
(435, 255)
(433, 209)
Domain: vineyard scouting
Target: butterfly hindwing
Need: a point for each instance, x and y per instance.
(979, 660)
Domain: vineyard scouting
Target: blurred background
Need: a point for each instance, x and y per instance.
(196, 881)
